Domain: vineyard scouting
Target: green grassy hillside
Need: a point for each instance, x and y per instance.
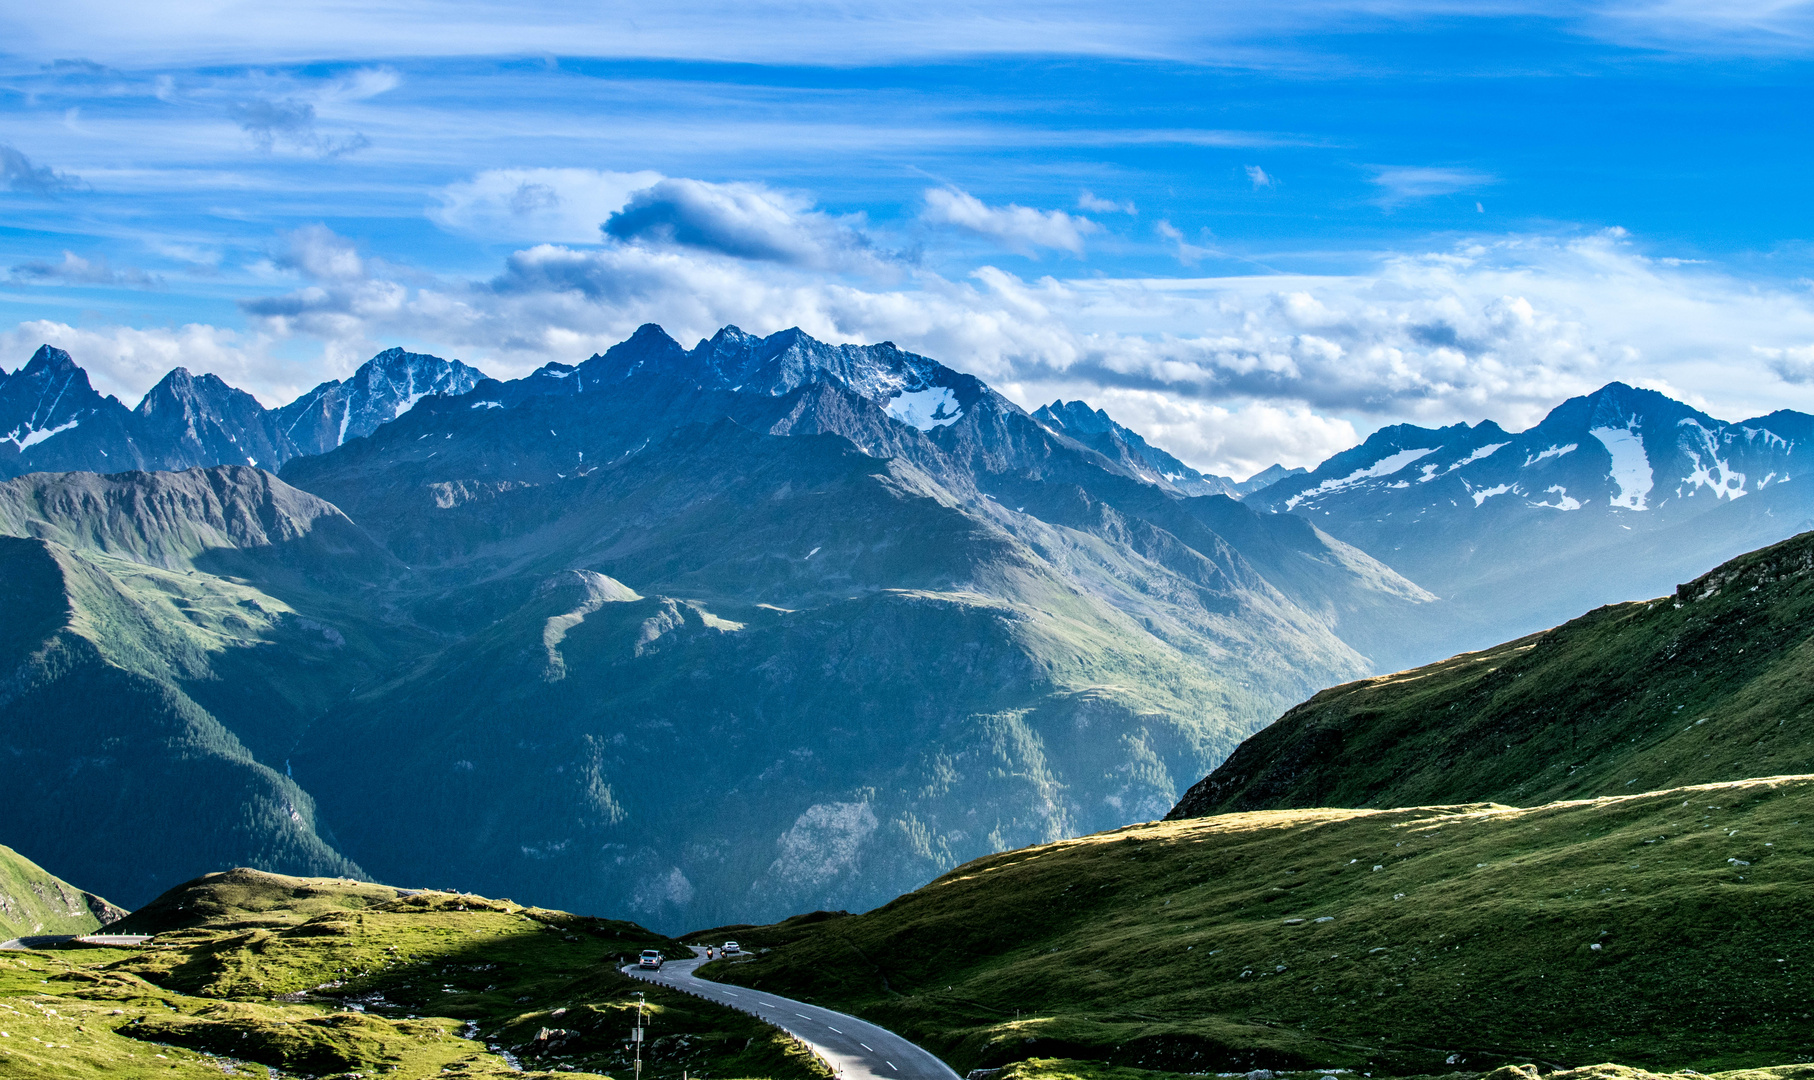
(1667, 930)
(334, 976)
(33, 901)
(1709, 684)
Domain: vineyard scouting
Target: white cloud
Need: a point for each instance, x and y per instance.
(1792, 364)
(1018, 228)
(1229, 373)
(1098, 205)
(1405, 183)
(1259, 178)
(127, 361)
(1186, 252)
(563, 206)
(76, 270)
(745, 221)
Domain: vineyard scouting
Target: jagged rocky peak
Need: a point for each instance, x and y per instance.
(1075, 418)
(46, 398)
(50, 358)
(914, 389)
(180, 390)
(1097, 430)
(187, 420)
(385, 387)
(792, 358)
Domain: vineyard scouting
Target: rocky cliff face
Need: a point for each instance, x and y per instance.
(384, 387)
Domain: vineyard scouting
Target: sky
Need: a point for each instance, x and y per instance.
(1253, 232)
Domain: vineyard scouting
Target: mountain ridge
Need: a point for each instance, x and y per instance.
(56, 422)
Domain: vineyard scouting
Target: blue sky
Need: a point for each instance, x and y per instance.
(1254, 234)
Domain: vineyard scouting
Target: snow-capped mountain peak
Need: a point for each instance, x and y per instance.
(384, 387)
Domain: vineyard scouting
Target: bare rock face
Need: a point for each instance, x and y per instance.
(385, 387)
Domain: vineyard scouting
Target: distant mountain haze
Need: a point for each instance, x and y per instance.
(1617, 495)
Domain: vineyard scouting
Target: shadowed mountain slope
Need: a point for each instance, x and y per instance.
(156, 671)
(690, 634)
(52, 420)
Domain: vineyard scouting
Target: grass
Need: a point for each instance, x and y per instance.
(1070, 1069)
(33, 901)
(1707, 685)
(350, 977)
(1396, 942)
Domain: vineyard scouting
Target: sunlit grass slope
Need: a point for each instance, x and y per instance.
(1709, 684)
(34, 901)
(1667, 930)
(323, 976)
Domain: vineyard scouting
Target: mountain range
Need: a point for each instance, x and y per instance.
(1617, 495)
(1095, 429)
(697, 633)
(735, 630)
(55, 421)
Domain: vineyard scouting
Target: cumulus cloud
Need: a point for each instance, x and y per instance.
(746, 221)
(1259, 178)
(127, 361)
(563, 206)
(1406, 183)
(76, 270)
(1020, 229)
(1793, 364)
(19, 174)
(342, 299)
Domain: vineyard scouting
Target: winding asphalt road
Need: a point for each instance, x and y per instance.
(856, 1049)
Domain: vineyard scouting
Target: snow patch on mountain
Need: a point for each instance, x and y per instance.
(33, 436)
(1631, 472)
(1385, 466)
(1563, 501)
(1484, 494)
(934, 407)
(1554, 451)
(1717, 473)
